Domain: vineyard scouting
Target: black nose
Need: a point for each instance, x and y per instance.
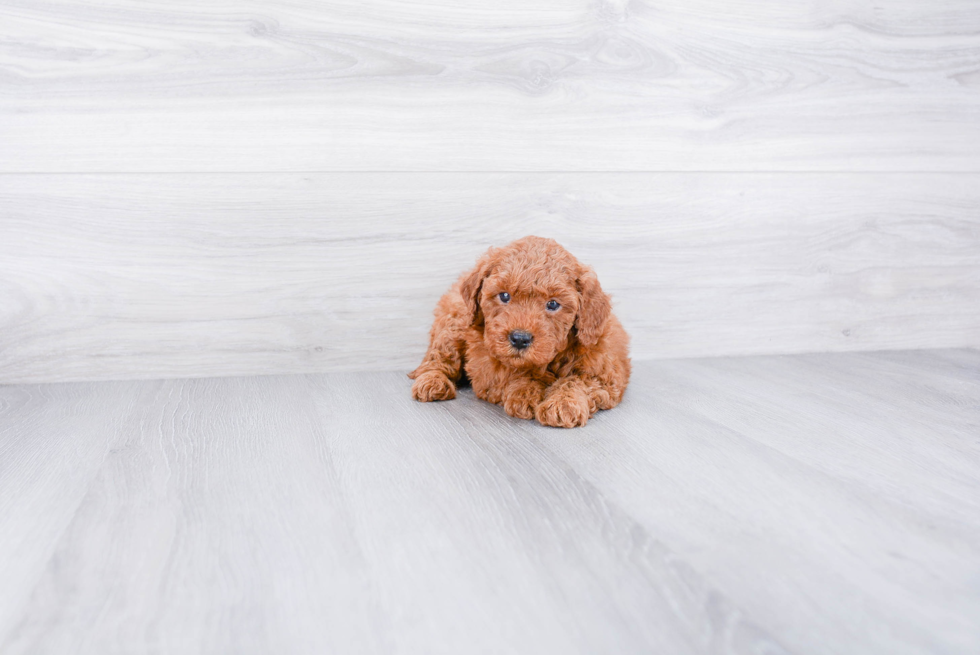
(520, 339)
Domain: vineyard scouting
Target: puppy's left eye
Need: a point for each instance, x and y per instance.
(553, 306)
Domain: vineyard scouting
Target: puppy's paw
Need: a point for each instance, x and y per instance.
(433, 385)
(521, 399)
(519, 406)
(564, 408)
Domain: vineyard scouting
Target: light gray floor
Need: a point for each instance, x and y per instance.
(809, 504)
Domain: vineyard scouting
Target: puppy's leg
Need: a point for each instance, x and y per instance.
(596, 380)
(572, 400)
(522, 395)
(436, 377)
(567, 403)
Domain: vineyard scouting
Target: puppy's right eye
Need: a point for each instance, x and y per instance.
(504, 297)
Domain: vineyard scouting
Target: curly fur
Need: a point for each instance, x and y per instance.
(578, 361)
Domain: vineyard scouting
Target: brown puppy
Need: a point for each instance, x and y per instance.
(533, 331)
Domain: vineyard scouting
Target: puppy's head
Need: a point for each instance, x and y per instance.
(531, 298)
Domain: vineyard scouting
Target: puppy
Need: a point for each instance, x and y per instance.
(533, 331)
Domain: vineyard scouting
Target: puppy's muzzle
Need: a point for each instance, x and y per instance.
(520, 339)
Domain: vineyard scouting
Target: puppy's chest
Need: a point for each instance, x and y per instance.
(489, 377)
(486, 375)
(563, 364)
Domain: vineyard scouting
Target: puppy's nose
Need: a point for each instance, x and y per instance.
(520, 339)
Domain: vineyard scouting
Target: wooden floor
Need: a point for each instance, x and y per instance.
(806, 504)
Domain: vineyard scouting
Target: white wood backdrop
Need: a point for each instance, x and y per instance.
(296, 85)
(746, 177)
(109, 276)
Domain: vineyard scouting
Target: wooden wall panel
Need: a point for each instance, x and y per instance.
(452, 85)
(143, 276)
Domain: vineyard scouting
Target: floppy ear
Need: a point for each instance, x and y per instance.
(594, 309)
(472, 284)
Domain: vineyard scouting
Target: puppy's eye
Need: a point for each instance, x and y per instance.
(504, 297)
(553, 306)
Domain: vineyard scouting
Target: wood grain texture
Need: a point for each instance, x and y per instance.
(53, 443)
(786, 504)
(143, 276)
(296, 85)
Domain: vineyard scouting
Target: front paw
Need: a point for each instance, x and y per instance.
(564, 408)
(433, 385)
(519, 406)
(521, 400)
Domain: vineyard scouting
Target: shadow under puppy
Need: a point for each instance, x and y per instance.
(533, 331)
